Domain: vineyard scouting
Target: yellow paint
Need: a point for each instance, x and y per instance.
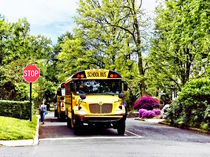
(81, 108)
(96, 74)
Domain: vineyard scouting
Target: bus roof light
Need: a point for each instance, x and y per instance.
(63, 85)
(78, 76)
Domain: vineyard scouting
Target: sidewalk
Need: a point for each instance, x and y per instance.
(30, 142)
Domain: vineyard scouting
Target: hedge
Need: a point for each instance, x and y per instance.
(192, 108)
(16, 109)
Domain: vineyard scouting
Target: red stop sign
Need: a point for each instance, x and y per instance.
(30, 73)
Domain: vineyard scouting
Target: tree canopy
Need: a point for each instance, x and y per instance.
(113, 35)
(180, 49)
(17, 49)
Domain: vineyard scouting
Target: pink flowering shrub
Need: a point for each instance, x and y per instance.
(147, 114)
(143, 113)
(150, 114)
(146, 102)
(157, 111)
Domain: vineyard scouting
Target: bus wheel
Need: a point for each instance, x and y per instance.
(59, 115)
(56, 113)
(69, 122)
(76, 126)
(63, 116)
(72, 121)
(76, 130)
(121, 128)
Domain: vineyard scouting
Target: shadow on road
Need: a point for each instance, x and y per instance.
(52, 120)
(55, 128)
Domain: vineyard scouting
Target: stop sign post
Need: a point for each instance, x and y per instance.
(30, 74)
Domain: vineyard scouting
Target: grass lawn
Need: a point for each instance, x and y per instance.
(16, 129)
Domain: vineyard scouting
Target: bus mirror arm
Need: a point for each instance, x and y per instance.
(82, 96)
(59, 92)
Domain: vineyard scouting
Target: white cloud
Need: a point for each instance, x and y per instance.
(38, 12)
(48, 17)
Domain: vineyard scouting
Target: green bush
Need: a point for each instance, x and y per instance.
(192, 107)
(16, 109)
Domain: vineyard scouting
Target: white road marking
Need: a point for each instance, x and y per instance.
(87, 138)
(132, 133)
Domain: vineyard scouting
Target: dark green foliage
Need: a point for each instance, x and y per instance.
(192, 108)
(16, 109)
(19, 48)
(180, 47)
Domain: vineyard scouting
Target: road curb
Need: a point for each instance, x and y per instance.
(185, 128)
(163, 122)
(36, 138)
(19, 143)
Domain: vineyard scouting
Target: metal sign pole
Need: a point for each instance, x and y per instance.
(30, 101)
(31, 74)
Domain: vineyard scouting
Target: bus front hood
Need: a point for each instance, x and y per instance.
(101, 99)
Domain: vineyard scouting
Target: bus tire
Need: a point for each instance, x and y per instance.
(76, 127)
(69, 122)
(76, 130)
(121, 128)
(62, 116)
(56, 113)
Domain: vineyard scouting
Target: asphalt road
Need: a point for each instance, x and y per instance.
(142, 139)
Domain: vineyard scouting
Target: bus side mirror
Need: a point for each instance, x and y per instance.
(121, 95)
(82, 96)
(125, 87)
(63, 91)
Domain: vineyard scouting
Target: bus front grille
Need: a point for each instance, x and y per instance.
(104, 108)
(94, 108)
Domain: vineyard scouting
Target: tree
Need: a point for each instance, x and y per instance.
(107, 36)
(180, 49)
(18, 48)
(56, 69)
(125, 17)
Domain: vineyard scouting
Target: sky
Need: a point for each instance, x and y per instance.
(51, 18)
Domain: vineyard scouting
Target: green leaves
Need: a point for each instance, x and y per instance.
(178, 52)
(106, 37)
(17, 49)
(192, 105)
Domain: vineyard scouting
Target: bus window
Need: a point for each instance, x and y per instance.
(72, 87)
(98, 86)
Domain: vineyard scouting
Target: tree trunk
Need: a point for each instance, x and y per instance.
(138, 49)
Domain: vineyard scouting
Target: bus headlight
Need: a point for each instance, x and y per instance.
(82, 112)
(119, 112)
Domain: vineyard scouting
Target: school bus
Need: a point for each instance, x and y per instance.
(94, 97)
(60, 107)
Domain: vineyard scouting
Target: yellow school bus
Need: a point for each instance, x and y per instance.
(94, 97)
(60, 106)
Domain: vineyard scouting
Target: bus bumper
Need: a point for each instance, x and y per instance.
(105, 121)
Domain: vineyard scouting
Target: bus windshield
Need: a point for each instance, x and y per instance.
(98, 86)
